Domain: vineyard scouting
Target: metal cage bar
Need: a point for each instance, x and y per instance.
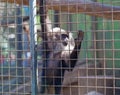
(33, 46)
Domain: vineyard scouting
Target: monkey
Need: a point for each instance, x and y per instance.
(63, 51)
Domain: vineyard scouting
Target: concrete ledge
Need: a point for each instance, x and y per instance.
(86, 78)
(83, 85)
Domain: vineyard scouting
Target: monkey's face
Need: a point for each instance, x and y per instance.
(61, 42)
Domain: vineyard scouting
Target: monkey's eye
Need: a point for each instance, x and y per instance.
(64, 36)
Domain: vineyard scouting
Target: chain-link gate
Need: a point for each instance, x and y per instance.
(59, 47)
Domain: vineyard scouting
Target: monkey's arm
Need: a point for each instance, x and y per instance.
(74, 55)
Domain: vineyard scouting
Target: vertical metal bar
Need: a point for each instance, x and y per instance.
(56, 19)
(43, 16)
(32, 15)
(19, 45)
(69, 20)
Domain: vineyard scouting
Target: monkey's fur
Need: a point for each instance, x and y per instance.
(62, 55)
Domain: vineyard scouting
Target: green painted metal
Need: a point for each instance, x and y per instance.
(33, 47)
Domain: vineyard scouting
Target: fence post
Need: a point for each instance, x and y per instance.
(19, 45)
(33, 44)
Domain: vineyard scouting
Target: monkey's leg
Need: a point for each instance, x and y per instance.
(75, 53)
(59, 77)
(43, 79)
(50, 72)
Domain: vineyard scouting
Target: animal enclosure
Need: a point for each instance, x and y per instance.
(59, 47)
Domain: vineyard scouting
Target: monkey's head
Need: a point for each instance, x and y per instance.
(60, 42)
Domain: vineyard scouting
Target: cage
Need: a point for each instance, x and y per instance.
(59, 47)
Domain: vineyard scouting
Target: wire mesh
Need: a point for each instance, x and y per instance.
(15, 71)
(22, 67)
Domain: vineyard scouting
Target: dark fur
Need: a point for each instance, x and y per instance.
(53, 69)
(62, 54)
